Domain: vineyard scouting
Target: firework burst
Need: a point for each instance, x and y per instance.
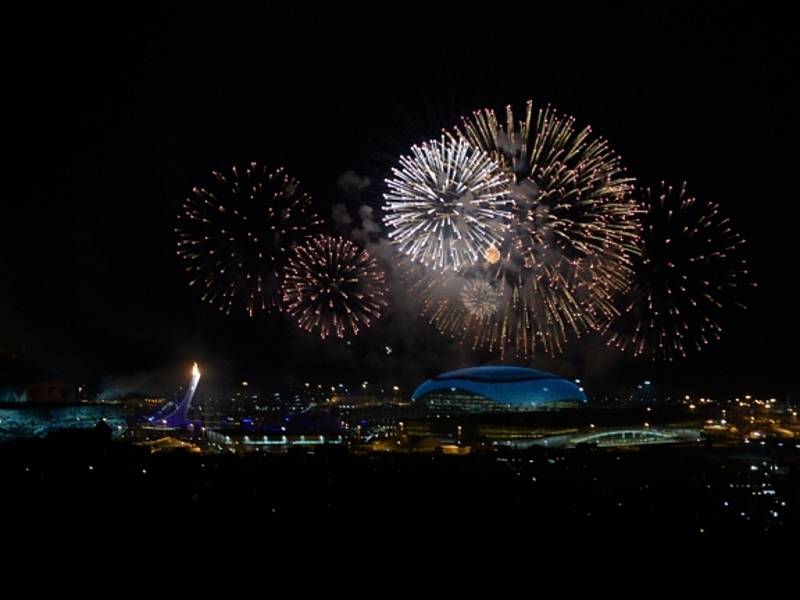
(234, 235)
(574, 214)
(447, 204)
(497, 309)
(480, 298)
(690, 269)
(567, 252)
(332, 286)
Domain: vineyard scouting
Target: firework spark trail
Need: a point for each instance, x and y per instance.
(447, 204)
(332, 286)
(234, 235)
(690, 269)
(514, 320)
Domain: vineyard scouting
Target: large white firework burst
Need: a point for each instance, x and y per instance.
(567, 253)
(448, 203)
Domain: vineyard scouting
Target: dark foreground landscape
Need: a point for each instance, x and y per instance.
(692, 492)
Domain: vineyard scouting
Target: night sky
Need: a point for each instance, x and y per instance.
(114, 117)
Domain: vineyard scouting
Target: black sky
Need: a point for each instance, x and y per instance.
(114, 116)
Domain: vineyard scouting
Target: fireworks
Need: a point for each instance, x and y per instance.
(497, 309)
(447, 204)
(516, 235)
(480, 298)
(235, 234)
(689, 270)
(566, 252)
(574, 215)
(331, 286)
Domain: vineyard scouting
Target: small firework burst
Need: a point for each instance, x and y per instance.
(332, 286)
(690, 269)
(480, 298)
(234, 235)
(447, 204)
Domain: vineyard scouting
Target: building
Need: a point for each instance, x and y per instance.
(347, 401)
(498, 389)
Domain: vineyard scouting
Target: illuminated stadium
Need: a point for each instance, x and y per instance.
(498, 389)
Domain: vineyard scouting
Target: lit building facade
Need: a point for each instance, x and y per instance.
(498, 389)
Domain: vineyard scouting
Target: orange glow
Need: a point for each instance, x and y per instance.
(492, 255)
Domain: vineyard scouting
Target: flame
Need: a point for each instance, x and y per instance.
(195, 371)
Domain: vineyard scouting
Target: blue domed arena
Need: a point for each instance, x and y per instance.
(498, 389)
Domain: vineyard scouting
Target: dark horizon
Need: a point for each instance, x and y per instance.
(113, 126)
